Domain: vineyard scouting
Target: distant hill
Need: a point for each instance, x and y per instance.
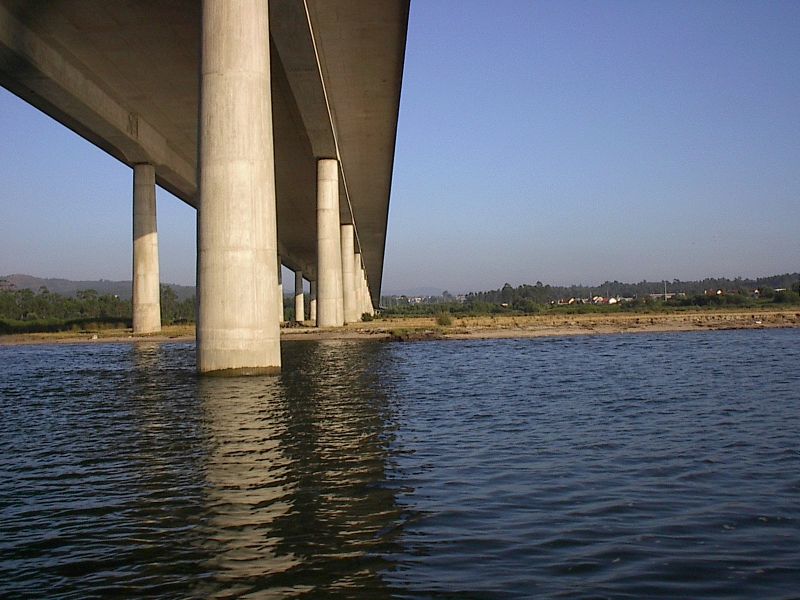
(67, 287)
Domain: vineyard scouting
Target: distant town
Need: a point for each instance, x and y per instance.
(30, 304)
(530, 298)
(446, 297)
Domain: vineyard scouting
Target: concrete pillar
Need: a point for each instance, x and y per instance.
(299, 301)
(237, 328)
(357, 284)
(351, 314)
(280, 292)
(330, 308)
(146, 284)
(367, 298)
(312, 302)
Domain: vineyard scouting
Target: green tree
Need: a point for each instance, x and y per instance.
(169, 303)
(507, 294)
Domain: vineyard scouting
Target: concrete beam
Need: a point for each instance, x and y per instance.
(45, 77)
(125, 75)
(354, 70)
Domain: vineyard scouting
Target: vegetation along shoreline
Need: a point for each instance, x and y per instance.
(466, 328)
(42, 316)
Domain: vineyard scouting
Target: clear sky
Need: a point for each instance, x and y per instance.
(567, 142)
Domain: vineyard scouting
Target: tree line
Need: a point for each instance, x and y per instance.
(23, 311)
(543, 294)
(531, 299)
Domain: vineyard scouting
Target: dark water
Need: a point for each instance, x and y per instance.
(622, 467)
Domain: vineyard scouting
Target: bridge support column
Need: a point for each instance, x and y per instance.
(146, 284)
(357, 284)
(237, 328)
(348, 276)
(330, 309)
(299, 301)
(312, 302)
(280, 292)
(365, 291)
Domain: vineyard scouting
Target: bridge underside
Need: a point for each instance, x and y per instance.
(125, 76)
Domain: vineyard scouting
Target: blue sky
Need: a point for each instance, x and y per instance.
(567, 142)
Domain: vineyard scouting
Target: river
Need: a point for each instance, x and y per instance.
(620, 466)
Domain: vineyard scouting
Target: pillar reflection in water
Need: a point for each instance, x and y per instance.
(297, 497)
(248, 480)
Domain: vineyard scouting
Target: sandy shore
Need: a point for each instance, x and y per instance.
(486, 327)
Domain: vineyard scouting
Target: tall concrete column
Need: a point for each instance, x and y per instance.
(299, 301)
(363, 290)
(357, 284)
(330, 308)
(367, 298)
(348, 276)
(279, 292)
(312, 302)
(146, 288)
(237, 328)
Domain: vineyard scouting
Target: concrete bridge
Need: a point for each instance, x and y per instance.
(276, 119)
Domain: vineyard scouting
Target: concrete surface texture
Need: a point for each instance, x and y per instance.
(348, 279)
(233, 105)
(125, 76)
(312, 302)
(330, 311)
(279, 292)
(146, 284)
(237, 328)
(357, 284)
(299, 300)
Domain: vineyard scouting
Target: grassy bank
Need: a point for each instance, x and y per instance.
(480, 327)
(86, 324)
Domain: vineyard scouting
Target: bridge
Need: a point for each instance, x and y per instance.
(275, 119)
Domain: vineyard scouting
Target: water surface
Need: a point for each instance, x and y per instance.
(613, 466)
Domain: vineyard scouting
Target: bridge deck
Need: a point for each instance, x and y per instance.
(124, 75)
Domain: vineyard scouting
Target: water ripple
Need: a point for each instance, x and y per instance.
(598, 467)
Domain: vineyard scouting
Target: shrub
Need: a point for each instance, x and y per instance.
(366, 317)
(444, 319)
(785, 297)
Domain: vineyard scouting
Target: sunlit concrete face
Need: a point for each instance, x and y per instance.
(238, 107)
(125, 75)
(146, 298)
(279, 292)
(348, 279)
(360, 286)
(330, 309)
(299, 300)
(238, 313)
(312, 302)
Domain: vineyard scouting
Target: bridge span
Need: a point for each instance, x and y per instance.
(276, 119)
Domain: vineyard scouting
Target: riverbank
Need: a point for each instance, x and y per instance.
(483, 327)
